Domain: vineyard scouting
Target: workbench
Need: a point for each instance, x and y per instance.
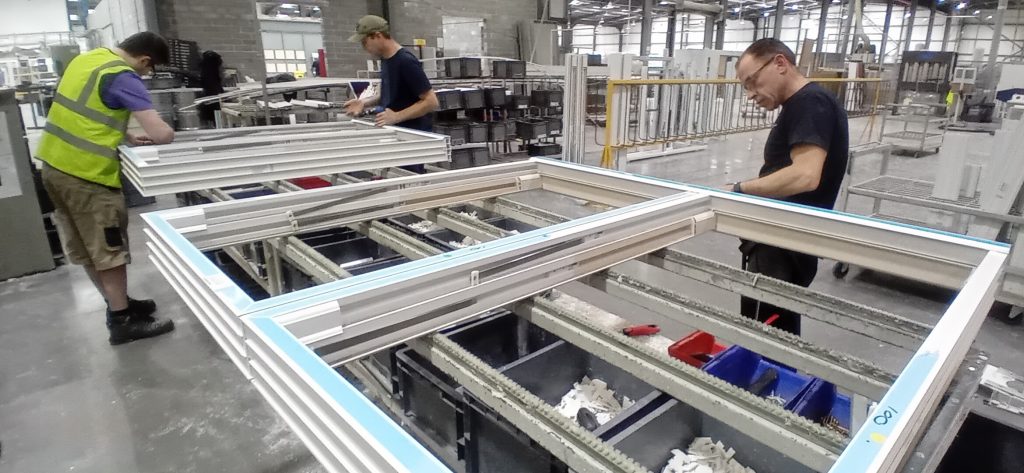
(290, 340)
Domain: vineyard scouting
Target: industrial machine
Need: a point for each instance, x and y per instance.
(25, 247)
(346, 347)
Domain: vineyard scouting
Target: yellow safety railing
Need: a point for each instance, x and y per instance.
(642, 112)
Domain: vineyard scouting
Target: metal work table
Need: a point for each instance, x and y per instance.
(288, 344)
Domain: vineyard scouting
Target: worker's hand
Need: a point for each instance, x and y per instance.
(387, 117)
(138, 140)
(354, 107)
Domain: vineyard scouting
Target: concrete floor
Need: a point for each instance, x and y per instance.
(70, 402)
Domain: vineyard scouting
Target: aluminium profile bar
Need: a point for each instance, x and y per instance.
(349, 204)
(364, 319)
(199, 165)
(882, 445)
(847, 315)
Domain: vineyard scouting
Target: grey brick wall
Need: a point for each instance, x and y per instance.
(339, 22)
(422, 19)
(229, 27)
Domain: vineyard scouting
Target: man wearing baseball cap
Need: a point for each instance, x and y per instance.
(406, 97)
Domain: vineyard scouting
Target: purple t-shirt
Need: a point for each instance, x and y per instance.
(125, 90)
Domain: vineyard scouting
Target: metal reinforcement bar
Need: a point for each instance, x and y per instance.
(848, 315)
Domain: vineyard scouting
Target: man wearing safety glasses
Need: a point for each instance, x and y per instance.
(804, 161)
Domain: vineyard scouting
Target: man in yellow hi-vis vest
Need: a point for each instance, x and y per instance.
(98, 93)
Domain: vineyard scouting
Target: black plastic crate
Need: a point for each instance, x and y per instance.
(508, 69)
(430, 399)
(449, 99)
(477, 132)
(494, 97)
(554, 125)
(462, 67)
(544, 149)
(456, 131)
(472, 98)
(461, 159)
(546, 98)
(493, 445)
(497, 131)
(531, 128)
(517, 102)
(670, 424)
(502, 338)
(481, 156)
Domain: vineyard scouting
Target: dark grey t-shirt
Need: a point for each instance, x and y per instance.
(402, 82)
(811, 116)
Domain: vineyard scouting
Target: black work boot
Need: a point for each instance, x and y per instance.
(127, 326)
(143, 309)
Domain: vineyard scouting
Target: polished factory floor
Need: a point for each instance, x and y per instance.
(71, 402)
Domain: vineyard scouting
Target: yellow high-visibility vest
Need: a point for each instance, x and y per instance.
(82, 133)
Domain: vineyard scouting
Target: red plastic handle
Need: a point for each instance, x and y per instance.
(641, 330)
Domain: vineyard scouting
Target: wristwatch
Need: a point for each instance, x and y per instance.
(737, 187)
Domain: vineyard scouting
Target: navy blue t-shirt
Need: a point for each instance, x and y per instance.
(811, 116)
(402, 82)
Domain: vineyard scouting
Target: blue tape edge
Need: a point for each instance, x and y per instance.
(413, 456)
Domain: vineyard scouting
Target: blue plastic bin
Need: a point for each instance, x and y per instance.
(822, 400)
(741, 367)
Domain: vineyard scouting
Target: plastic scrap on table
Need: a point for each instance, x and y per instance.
(424, 226)
(594, 396)
(466, 242)
(705, 456)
